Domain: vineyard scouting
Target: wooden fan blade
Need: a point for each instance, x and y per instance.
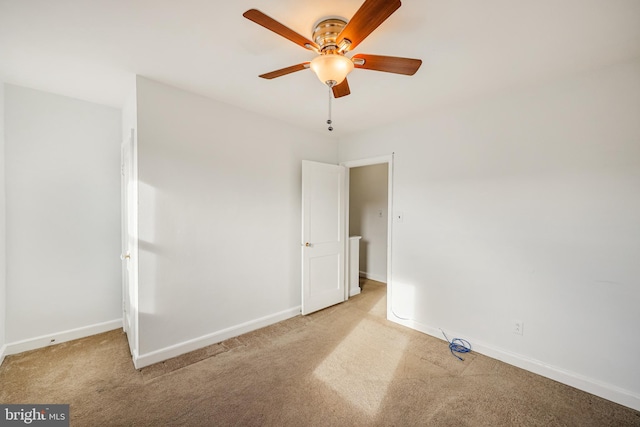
(285, 71)
(389, 64)
(278, 28)
(341, 90)
(371, 14)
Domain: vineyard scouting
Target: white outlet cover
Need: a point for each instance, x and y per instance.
(518, 327)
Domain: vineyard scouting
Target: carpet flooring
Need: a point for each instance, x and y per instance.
(343, 366)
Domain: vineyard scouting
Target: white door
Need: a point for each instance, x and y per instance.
(126, 172)
(323, 233)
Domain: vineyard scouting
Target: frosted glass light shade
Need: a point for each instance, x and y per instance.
(331, 68)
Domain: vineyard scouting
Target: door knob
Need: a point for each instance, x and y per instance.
(125, 256)
(307, 244)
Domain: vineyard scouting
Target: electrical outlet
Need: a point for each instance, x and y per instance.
(518, 327)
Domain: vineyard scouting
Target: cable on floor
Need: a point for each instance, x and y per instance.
(457, 345)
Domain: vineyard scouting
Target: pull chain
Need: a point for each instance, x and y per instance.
(329, 120)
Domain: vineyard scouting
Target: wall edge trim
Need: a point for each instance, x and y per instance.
(373, 276)
(156, 356)
(589, 385)
(3, 352)
(62, 336)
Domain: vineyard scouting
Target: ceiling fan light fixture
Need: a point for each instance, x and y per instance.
(331, 68)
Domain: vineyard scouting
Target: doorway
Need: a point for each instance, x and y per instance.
(369, 214)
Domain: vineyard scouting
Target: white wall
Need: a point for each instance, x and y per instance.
(219, 219)
(525, 207)
(3, 270)
(63, 217)
(368, 196)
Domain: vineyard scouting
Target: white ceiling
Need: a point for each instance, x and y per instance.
(89, 49)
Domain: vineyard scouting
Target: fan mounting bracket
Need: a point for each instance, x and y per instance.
(326, 32)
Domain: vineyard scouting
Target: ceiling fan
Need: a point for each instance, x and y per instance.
(333, 38)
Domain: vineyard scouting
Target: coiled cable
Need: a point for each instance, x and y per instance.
(457, 345)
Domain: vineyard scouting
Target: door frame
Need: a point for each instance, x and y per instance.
(388, 159)
(125, 252)
(129, 244)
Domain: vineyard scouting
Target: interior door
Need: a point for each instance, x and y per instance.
(323, 233)
(126, 172)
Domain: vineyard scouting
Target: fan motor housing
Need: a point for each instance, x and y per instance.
(326, 32)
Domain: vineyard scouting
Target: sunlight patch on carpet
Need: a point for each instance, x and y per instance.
(363, 365)
(380, 308)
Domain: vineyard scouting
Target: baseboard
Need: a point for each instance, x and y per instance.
(589, 385)
(354, 291)
(3, 351)
(60, 337)
(156, 356)
(372, 276)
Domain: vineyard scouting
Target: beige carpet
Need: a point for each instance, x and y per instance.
(343, 366)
